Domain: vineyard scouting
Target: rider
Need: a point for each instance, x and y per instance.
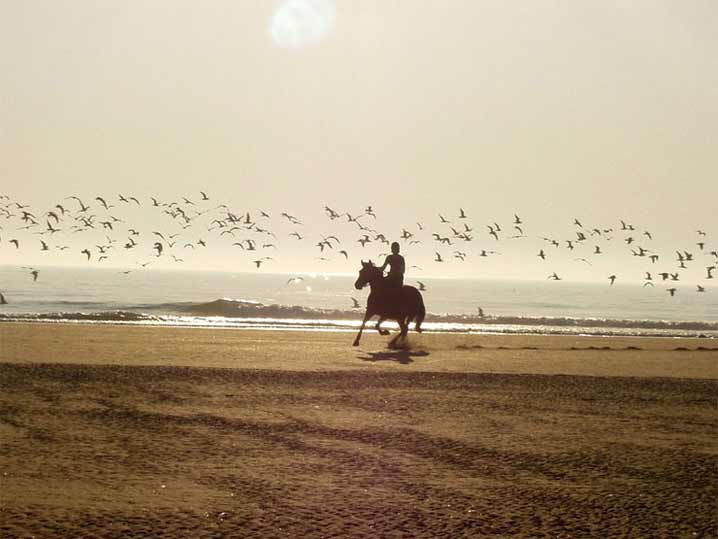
(395, 278)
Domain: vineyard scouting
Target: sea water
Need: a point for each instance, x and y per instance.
(324, 302)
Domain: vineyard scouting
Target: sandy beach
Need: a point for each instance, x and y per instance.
(120, 431)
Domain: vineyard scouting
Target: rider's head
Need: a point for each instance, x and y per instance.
(395, 248)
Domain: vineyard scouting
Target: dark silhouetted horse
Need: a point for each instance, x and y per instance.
(402, 305)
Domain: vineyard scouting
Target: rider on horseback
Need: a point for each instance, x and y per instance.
(395, 278)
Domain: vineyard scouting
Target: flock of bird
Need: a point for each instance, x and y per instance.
(109, 226)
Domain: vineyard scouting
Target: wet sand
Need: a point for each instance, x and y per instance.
(110, 431)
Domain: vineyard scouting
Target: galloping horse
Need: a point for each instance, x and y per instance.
(402, 305)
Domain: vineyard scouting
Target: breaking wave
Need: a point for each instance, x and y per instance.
(227, 312)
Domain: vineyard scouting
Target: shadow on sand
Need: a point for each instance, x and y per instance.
(402, 356)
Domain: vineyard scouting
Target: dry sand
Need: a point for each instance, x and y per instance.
(110, 431)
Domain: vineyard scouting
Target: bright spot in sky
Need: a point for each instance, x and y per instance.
(297, 23)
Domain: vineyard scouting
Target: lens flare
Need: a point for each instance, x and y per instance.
(298, 23)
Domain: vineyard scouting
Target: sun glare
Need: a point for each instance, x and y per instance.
(297, 23)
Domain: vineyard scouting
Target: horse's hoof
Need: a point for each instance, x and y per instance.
(355, 343)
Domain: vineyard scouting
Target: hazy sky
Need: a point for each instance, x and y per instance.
(551, 109)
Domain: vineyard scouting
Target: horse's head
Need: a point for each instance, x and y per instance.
(368, 273)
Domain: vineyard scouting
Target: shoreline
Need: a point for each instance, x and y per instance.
(325, 351)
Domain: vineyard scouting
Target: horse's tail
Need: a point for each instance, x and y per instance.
(421, 312)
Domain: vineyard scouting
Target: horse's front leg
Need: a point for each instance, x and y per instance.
(367, 316)
(381, 331)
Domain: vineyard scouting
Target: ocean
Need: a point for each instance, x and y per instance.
(324, 303)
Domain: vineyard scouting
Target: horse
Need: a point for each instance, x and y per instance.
(404, 306)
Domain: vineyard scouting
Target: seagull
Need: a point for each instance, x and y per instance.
(671, 291)
(103, 202)
(16, 242)
(3, 301)
(355, 304)
(700, 288)
(710, 270)
(438, 258)
(295, 280)
(462, 215)
(159, 248)
(541, 255)
(83, 208)
(422, 287)
(204, 195)
(612, 278)
(86, 252)
(34, 274)
(554, 277)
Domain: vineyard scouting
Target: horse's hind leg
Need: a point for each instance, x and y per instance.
(404, 329)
